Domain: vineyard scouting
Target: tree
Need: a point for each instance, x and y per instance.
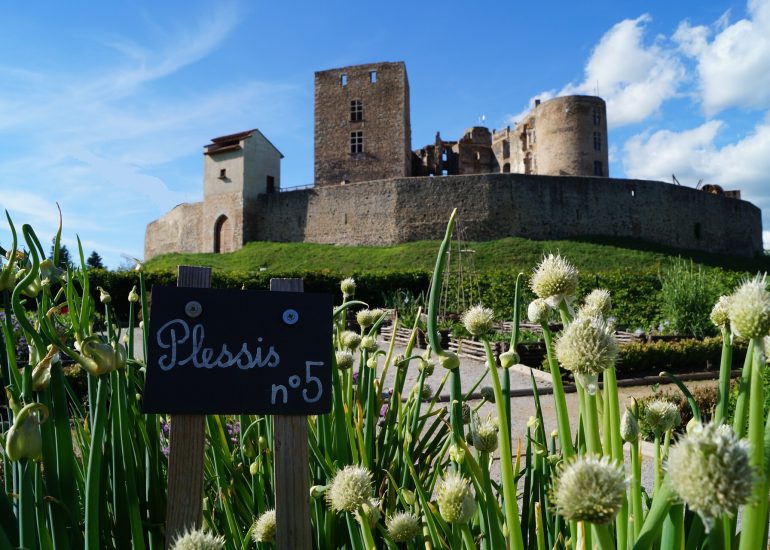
(65, 260)
(94, 261)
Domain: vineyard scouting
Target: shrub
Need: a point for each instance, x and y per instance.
(687, 296)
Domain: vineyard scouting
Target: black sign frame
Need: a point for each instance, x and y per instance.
(226, 351)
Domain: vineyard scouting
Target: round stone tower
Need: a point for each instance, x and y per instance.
(571, 136)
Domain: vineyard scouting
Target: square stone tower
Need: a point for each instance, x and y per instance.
(236, 168)
(362, 126)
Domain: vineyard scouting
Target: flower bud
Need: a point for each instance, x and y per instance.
(749, 309)
(350, 488)
(23, 440)
(455, 500)
(629, 427)
(348, 287)
(254, 468)
(133, 296)
(403, 527)
(488, 393)
(41, 374)
(99, 357)
(264, 527)
(372, 362)
(344, 359)
(456, 454)
(317, 491)
(104, 296)
(509, 358)
(478, 320)
(449, 360)
(427, 364)
(538, 311)
(720, 314)
(371, 510)
(589, 488)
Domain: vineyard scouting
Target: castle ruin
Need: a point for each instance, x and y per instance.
(544, 178)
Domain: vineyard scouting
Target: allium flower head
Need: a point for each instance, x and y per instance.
(587, 347)
(488, 393)
(538, 311)
(403, 527)
(350, 339)
(345, 360)
(749, 308)
(455, 500)
(597, 301)
(589, 488)
(350, 488)
(348, 287)
(427, 364)
(367, 317)
(368, 343)
(661, 415)
(710, 470)
(720, 313)
(484, 434)
(264, 527)
(198, 539)
(427, 392)
(478, 320)
(554, 280)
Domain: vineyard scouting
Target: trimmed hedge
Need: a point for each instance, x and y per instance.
(676, 356)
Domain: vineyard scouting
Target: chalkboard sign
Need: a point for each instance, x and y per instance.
(215, 351)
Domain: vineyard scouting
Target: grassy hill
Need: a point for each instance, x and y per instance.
(505, 254)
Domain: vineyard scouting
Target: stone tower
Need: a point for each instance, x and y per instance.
(564, 136)
(236, 168)
(362, 126)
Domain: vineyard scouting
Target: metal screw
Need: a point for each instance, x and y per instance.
(193, 309)
(290, 316)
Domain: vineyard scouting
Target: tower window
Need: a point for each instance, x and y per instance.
(343, 80)
(270, 184)
(597, 117)
(223, 173)
(356, 110)
(597, 141)
(356, 142)
(373, 77)
(598, 168)
(698, 233)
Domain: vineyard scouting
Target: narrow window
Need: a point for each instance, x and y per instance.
(343, 80)
(597, 117)
(507, 168)
(698, 231)
(356, 142)
(598, 171)
(356, 110)
(597, 141)
(373, 77)
(223, 173)
(633, 193)
(270, 184)
(506, 149)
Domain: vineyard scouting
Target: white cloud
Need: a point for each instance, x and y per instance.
(634, 77)
(766, 240)
(733, 60)
(693, 155)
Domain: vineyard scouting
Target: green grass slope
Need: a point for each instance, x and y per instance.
(505, 254)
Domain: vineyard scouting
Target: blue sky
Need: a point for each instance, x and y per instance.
(105, 107)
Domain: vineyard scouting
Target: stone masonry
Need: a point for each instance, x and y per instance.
(545, 178)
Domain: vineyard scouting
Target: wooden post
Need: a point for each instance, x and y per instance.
(184, 507)
(292, 485)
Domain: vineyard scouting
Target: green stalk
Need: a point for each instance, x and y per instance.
(658, 466)
(366, 531)
(656, 515)
(506, 459)
(635, 487)
(560, 401)
(673, 529)
(741, 405)
(93, 480)
(616, 446)
(603, 537)
(26, 510)
(725, 365)
(755, 513)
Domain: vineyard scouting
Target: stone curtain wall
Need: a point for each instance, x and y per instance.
(493, 206)
(179, 230)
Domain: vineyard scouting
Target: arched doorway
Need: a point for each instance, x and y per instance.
(223, 235)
